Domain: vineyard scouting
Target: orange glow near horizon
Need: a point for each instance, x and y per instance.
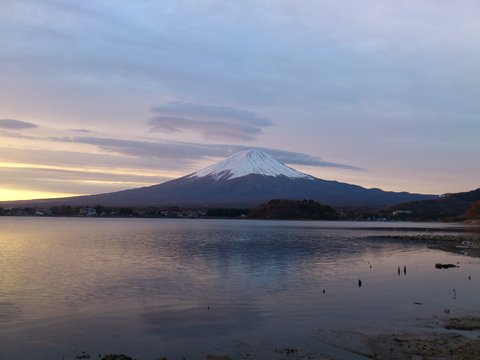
(15, 194)
(114, 171)
(145, 178)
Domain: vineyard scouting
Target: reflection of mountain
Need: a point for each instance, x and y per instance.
(271, 252)
(242, 180)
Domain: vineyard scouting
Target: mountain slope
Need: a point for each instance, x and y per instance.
(245, 179)
(447, 206)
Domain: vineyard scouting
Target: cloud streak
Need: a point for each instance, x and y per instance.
(183, 152)
(212, 122)
(80, 130)
(12, 124)
(210, 130)
(67, 181)
(228, 113)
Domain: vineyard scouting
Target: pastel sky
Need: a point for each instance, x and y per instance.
(98, 96)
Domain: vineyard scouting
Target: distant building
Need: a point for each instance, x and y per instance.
(402, 212)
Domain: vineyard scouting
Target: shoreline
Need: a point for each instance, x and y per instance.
(453, 338)
(470, 224)
(463, 244)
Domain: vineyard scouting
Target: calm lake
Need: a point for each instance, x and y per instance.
(186, 288)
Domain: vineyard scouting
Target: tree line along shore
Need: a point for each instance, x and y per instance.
(281, 209)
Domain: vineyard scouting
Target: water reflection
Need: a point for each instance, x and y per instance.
(8, 311)
(170, 282)
(213, 321)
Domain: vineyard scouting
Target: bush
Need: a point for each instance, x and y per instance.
(294, 209)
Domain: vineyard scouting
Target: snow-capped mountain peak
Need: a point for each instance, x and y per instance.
(248, 162)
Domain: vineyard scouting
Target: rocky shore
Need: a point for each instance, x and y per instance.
(444, 341)
(465, 244)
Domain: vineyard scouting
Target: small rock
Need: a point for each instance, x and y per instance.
(116, 357)
(444, 266)
(217, 357)
(83, 356)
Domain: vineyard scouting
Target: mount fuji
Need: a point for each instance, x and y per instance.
(244, 179)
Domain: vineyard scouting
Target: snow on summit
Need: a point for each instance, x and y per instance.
(248, 162)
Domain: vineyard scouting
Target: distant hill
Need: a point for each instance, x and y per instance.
(454, 205)
(293, 210)
(243, 180)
